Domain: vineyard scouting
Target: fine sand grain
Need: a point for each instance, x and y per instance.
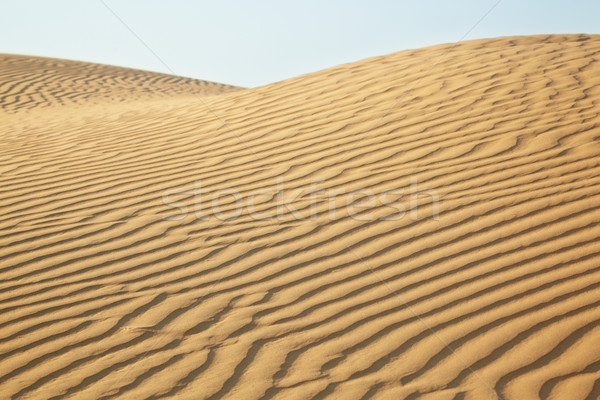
(163, 237)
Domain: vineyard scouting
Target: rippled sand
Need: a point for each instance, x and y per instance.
(166, 237)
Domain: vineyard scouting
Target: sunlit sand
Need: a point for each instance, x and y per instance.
(420, 225)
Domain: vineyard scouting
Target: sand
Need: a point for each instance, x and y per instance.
(420, 225)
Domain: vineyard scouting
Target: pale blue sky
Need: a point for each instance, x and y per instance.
(252, 43)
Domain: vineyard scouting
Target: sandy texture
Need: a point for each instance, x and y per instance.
(37, 82)
(122, 276)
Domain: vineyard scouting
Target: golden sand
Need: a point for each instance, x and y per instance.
(134, 264)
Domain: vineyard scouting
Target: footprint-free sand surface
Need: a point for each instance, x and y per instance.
(420, 225)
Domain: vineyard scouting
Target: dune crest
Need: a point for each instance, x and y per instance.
(36, 82)
(420, 225)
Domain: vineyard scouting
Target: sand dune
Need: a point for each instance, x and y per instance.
(34, 82)
(162, 237)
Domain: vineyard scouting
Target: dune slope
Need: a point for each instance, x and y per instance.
(32, 82)
(421, 225)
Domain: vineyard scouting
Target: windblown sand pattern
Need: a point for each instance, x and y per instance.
(30, 82)
(117, 279)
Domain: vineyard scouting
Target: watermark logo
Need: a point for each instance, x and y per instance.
(281, 203)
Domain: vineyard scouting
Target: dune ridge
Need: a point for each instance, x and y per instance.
(321, 271)
(32, 82)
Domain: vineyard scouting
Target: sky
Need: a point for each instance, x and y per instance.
(253, 43)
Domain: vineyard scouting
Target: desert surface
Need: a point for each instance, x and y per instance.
(419, 225)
